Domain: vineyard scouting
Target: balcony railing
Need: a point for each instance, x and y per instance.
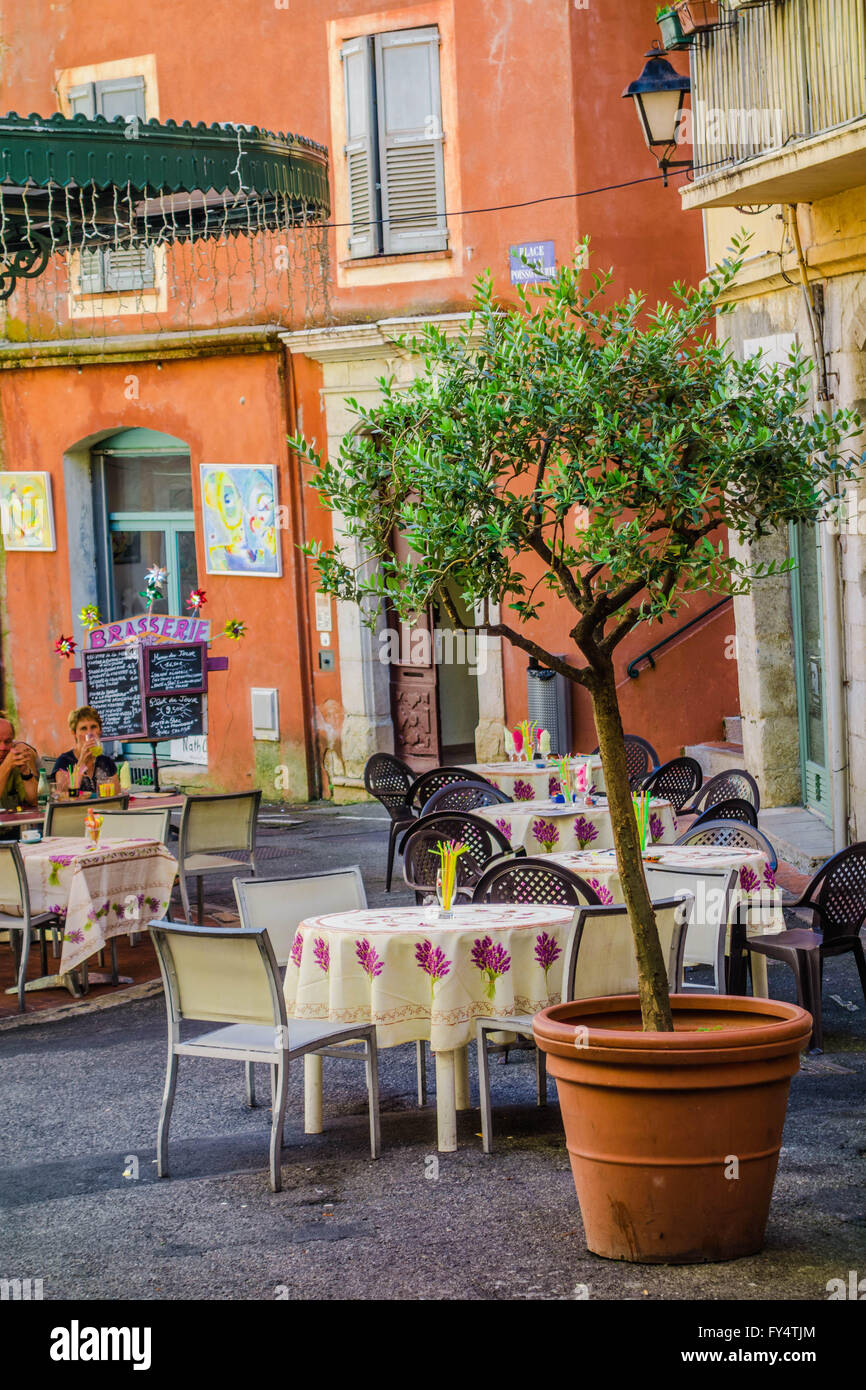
(784, 71)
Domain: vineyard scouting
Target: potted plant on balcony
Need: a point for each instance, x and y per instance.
(671, 30)
(593, 451)
(697, 15)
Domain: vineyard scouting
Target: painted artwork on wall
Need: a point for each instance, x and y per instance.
(239, 513)
(26, 514)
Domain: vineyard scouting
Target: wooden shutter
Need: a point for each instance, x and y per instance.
(126, 268)
(123, 96)
(410, 141)
(90, 273)
(82, 100)
(361, 158)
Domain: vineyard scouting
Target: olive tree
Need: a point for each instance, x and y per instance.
(593, 449)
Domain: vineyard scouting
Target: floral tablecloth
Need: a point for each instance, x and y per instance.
(98, 891)
(756, 891)
(547, 827)
(418, 977)
(528, 782)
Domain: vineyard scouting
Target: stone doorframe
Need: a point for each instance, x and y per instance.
(353, 358)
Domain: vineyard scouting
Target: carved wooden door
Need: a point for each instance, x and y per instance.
(414, 699)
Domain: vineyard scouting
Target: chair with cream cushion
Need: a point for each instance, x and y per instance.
(599, 960)
(16, 916)
(211, 829)
(229, 976)
(68, 817)
(137, 825)
(712, 918)
(281, 904)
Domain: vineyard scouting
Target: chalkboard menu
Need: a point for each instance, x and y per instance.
(112, 679)
(175, 668)
(174, 716)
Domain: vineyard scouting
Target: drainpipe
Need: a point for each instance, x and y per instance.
(830, 577)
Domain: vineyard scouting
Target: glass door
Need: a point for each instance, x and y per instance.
(808, 613)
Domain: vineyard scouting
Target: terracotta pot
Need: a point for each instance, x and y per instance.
(697, 15)
(674, 1137)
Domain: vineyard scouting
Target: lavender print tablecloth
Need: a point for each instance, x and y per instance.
(551, 827)
(99, 891)
(528, 782)
(416, 977)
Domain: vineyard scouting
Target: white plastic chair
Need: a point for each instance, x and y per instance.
(281, 904)
(229, 976)
(599, 960)
(16, 916)
(137, 825)
(211, 828)
(707, 936)
(68, 817)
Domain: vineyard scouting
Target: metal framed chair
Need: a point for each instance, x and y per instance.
(836, 897)
(736, 782)
(437, 777)
(533, 881)
(735, 834)
(137, 825)
(676, 780)
(421, 863)
(17, 919)
(229, 976)
(706, 941)
(464, 796)
(599, 960)
(734, 809)
(640, 758)
(211, 828)
(281, 904)
(390, 782)
(68, 817)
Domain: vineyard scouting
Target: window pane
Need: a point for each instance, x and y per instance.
(186, 567)
(148, 483)
(132, 554)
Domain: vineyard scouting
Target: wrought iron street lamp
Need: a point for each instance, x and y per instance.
(658, 96)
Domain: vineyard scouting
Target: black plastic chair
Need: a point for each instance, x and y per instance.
(464, 796)
(734, 809)
(437, 777)
(676, 781)
(733, 834)
(726, 786)
(391, 782)
(421, 861)
(836, 897)
(534, 881)
(640, 759)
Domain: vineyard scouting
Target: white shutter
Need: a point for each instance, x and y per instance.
(361, 159)
(82, 100)
(410, 141)
(122, 96)
(90, 272)
(128, 269)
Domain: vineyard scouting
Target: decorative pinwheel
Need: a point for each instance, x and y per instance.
(154, 583)
(89, 617)
(234, 629)
(196, 600)
(65, 646)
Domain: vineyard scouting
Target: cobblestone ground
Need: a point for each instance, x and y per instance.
(80, 1110)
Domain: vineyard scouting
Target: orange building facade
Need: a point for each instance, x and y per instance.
(454, 128)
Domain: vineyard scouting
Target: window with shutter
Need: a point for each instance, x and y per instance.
(113, 270)
(361, 147)
(394, 143)
(410, 141)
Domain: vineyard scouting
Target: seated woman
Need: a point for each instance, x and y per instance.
(85, 760)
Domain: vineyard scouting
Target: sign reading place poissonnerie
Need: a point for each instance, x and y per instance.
(532, 262)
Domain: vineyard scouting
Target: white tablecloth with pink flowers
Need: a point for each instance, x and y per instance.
(547, 827)
(524, 781)
(415, 976)
(98, 891)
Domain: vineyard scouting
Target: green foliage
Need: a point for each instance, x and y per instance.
(580, 447)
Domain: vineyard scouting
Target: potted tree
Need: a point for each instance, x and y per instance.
(597, 451)
(698, 15)
(671, 30)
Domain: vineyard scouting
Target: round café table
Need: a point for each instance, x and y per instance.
(548, 827)
(419, 977)
(535, 781)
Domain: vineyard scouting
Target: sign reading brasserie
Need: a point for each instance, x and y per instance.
(155, 627)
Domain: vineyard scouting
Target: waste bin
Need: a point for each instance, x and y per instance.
(549, 698)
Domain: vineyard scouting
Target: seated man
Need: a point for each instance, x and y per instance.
(19, 770)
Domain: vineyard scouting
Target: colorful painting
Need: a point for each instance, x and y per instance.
(239, 510)
(26, 514)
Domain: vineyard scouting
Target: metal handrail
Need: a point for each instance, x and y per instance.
(648, 654)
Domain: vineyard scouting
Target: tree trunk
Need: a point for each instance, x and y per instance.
(652, 970)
